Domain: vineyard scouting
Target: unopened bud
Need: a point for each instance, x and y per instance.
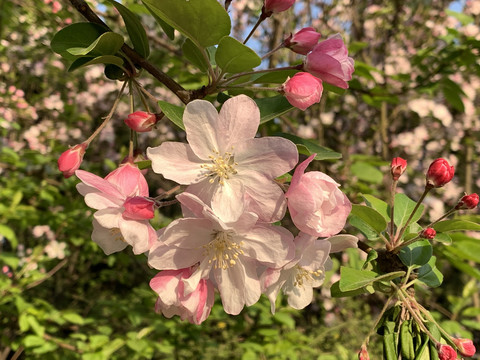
(141, 121)
(446, 352)
(397, 167)
(467, 202)
(139, 208)
(303, 90)
(303, 41)
(363, 354)
(465, 347)
(71, 159)
(428, 233)
(275, 6)
(439, 173)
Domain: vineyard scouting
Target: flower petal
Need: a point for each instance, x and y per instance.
(188, 233)
(342, 242)
(98, 183)
(109, 240)
(162, 257)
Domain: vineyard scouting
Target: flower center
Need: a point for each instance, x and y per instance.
(116, 234)
(305, 276)
(222, 251)
(220, 168)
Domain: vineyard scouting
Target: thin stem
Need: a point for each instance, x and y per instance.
(393, 189)
(448, 213)
(167, 193)
(236, 76)
(152, 98)
(47, 275)
(259, 21)
(253, 88)
(282, 45)
(379, 317)
(402, 245)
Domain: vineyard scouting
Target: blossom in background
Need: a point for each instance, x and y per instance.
(316, 204)
(224, 164)
(329, 61)
(303, 41)
(114, 227)
(303, 90)
(71, 159)
(228, 253)
(172, 300)
(439, 173)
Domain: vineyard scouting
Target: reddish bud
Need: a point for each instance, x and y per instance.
(446, 352)
(428, 233)
(467, 202)
(397, 167)
(303, 90)
(303, 41)
(363, 354)
(139, 208)
(71, 159)
(141, 121)
(465, 347)
(275, 6)
(439, 173)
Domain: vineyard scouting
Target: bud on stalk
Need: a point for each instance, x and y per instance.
(397, 167)
(465, 347)
(71, 159)
(446, 352)
(468, 202)
(428, 233)
(439, 173)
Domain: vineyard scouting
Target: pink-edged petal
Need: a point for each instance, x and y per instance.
(188, 233)
(162, 257)
(137, 234)
(315, 256)
(272, 282)
(165, 284)
(342, 242)
(201, 125)
(204, 190)
(176, 161)
(331, 71)
(271, 156)
(99, 201)
(109, 217)
(129, 180)
(192, 206)
(201, 272)
(109, 240)
(85, 189)
(228, 200)
(299, 171)
(238, 121)
(98, 183)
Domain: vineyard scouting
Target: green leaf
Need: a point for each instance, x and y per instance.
(463, 18)
(361, 225)
(106, 44)
(452, 92)
(285, 319)
(234, 57)
(403, 208)
(272, 107)
(353, 279)
(372, 255)
(274, 77)
(460, 264)
(113, 72)
(456, 225)
(417, 253)
(135, 30)
(366, 172)
(169, 31)
(429, 274)
(334, 89)
(377, 204)
(33, 341)
(308, 147)
(88, 60)
(9, 234)
(195, 55)
(73, 318)
(443, 238)
(336, 292)
(75, 35)
(173, 112)
(204, 22)
(370, 217)
(9, 259)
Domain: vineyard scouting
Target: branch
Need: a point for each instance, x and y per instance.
(184, 95)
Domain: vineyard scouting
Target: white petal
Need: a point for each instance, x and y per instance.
(109, 240)
(342, 242)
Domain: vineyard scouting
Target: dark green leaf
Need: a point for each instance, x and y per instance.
(106, 44)
(234, 57)
(272, 107)
(371, 217)
(377, 204)
(403, 208)
(196, 56)
(366, 172)
(336, 292)
(113, 72)
(334, 89)
(456, 225)
(75, 35)
(173, 113)
(88, 60)
(429, 274)
(417, 253)
(308, 147)
(169, 31)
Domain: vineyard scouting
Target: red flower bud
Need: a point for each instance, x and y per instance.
(467, 202)
(446, 352)
(397, 167)
(138, 208)
(141, 121)
(275, 6)
(439, 173)
(71, 159)
(303, 41)
(363, 354)
(465, 347)
(428, 233)
(303, 90)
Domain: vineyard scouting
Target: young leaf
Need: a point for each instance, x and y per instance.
(377, 204)
(204, 22)
(456, 225)
(234, 57)
(272, 107)
(403, 208)
(88, 60)
(372, 255)
(106, 44)
(366, 172)
(336, 292)
(135, 30)
(169, 31)
(429, 274)
(195, 55)
(371, 217)
(308, 147)
(353, 279)
(417, 253)
(173, 113)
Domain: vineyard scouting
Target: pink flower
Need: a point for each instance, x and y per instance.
(303, 41)
(303, 90)
(468, 202)
(428, 233)
(141, 121)
(329, 61)
(139, 208)
(446, 352)
(275, 6)
(111, 230)
(224, 164)
(465, 347)
(397, 167)
(316, 204)
(439, 173)
(228, 253)
(71, 159)
(363, 354)
(172, 300)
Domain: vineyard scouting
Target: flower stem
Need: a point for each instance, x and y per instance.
(236, 76)
(393, 189)
(262, 17)
(282, 45)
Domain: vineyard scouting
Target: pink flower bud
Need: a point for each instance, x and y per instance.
(138, 208)
(329, 61)
(275, 6)
(446, 352)
(303, 90)
(439, 173)
(467, 202)
(303, 41)
(71, 159)
(363, 354)
(397, 167)
(141, 121)
(428, 233)
(465, 347)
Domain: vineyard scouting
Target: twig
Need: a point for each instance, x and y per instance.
(48, 275)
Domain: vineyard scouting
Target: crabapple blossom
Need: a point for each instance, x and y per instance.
(71, 159)
(303, 90)
(468, 202)
(141, 121)
(397, 167)
(224, 164)
(228, 253)
(112, 230)
(439, 173)
(275, 6)
(316, 204)
(329, 61)
(303, 41)
(172, 300)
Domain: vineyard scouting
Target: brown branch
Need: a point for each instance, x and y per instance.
(47, 275)
(184, 95)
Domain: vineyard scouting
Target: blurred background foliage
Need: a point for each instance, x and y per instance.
(415, 94)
